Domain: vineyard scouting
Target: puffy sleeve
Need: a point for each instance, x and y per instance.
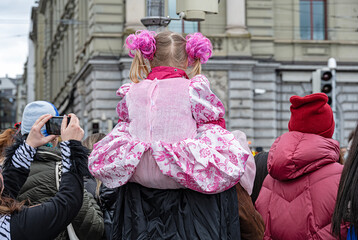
(122, 109)
(205, 105)
(115, 158)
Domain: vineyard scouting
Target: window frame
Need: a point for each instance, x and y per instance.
(311, 18)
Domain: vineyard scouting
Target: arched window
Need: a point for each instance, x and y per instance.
(313, 23)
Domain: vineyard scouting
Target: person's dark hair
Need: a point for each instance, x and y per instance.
(346, 209)
(261, 173)
(351, 135)
(9, 205)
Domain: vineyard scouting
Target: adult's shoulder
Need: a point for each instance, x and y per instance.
(328, 174)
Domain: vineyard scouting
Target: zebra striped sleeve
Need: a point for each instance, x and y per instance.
(65, 152)
(23, 156)
(5, 227)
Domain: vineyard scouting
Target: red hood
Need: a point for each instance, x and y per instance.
(294, 154)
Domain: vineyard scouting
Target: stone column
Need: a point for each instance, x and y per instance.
(236, 17)
(238, 38)
(106, 26)
(135, 10)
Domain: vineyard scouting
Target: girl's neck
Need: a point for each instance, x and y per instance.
(165, 72)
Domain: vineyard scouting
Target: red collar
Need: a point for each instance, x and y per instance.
(164, 72)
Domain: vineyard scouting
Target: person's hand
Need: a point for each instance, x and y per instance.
(35, 138)
(73, 131)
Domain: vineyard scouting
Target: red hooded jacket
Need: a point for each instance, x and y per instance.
(298, 196)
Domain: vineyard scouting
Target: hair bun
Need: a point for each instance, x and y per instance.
(198, 47)
(142, 40)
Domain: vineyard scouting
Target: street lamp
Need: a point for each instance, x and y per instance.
(190, 10)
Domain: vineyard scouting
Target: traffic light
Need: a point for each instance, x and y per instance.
(323, 81)
(327, 83)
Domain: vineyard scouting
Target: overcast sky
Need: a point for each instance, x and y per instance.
(14, 31)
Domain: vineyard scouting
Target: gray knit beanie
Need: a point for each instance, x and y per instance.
(33, 111)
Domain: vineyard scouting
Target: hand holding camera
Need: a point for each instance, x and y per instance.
(72, 130)
(35, 138)
(68, 127)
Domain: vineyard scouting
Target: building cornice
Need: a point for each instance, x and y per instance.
(312, 67)
(99, 63)
(316, 42)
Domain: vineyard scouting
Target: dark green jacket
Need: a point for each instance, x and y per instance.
(41, 185)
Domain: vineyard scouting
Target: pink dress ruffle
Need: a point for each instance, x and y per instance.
(210, 162)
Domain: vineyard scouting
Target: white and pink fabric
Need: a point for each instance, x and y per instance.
(246, 181)
(163, 139)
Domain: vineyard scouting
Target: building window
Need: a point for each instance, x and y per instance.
(313, 19)
(179, 26)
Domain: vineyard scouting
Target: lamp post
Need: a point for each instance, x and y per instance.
(155, 21)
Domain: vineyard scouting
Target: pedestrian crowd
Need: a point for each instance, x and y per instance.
(170, 169)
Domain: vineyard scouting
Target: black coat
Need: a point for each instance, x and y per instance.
(46, 220)
(145, 213)
(41, 186)
(108, 197)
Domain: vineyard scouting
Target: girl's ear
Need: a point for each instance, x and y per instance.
(186, 64)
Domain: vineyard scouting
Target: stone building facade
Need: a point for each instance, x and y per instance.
(258, 44)
(8, 101)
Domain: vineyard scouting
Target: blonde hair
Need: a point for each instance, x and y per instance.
(138, 68)
(92, 139)
(170, 51)
(196, 68)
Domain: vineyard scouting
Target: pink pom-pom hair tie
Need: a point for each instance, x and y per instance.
(198, 47)
(142, 40)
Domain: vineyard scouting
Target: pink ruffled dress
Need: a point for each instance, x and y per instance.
(164, 138)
